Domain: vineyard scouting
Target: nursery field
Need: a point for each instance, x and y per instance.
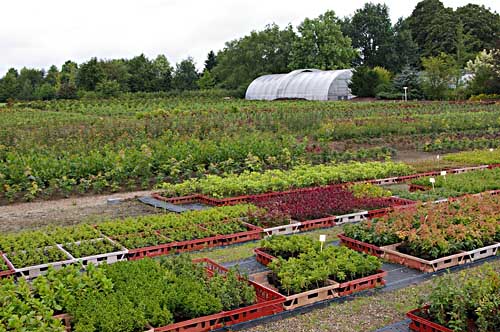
(304, 215)
(66, 148)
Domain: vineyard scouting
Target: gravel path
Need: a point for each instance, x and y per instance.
(71, 210)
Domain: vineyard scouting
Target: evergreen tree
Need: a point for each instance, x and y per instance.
(210, 62)
(53, 76)
(206, 81)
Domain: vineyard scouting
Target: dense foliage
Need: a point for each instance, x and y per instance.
(288, 246)
(30, 248)
(277, 180)
(124, 297)
(26, 307)
(318, 203)
(453, 185)
(3, 265)
(61, 148)
(469, 301)
(435, 230)
(479, 157)
(455, 143)
(302, 265)
(91, 248)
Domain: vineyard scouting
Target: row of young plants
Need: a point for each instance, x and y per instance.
(435, 230)
(31, 248)
(175, 141)
(321, 202)
(39, 171)
(404, 126)
(123, 297)
(216, 108)
(478, 157)
(454, 185)
(465, 302)
(453, 143)
(422, 195)
(278, 180)
(302, 265)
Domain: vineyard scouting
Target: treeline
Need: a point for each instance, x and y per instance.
(105, 78)
(429, 52)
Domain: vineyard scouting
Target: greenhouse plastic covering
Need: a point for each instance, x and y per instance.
(310, 84)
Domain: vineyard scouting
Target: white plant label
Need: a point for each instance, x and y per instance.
(322, 238)
(432, 180)
(443, 173)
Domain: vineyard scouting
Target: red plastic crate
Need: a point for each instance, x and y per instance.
(317, 223)
(196, 198)
(253, 233)
(360, 246)
(358, 285)
(416, 187)
(420, 324)
(153, 251)
(263, 257)
(397, 201)
(66, 320)
(268, 303)
(378, 213)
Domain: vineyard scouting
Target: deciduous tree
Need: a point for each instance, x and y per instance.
(371, 32)
(321, 44)
(259, 53)
(185, 75)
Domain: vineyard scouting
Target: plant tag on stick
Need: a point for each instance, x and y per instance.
(322, 239)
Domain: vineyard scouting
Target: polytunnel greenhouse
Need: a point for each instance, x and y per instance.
(309, 84)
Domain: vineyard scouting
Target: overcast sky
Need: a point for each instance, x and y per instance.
(35, 33)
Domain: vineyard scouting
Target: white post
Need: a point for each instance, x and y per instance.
(443, 174)
(322, 239)
(406, 95)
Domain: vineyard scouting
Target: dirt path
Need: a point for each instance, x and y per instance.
(71, 211)
(413, 156)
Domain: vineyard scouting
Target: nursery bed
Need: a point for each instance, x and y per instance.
(210, 201)
(268, 303)
(391, 254)
(332, 290)
(398, 277)
(252, 233)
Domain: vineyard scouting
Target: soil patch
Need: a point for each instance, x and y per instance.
(72, 211)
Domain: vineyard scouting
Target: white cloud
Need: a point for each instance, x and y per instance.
(37, 33)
